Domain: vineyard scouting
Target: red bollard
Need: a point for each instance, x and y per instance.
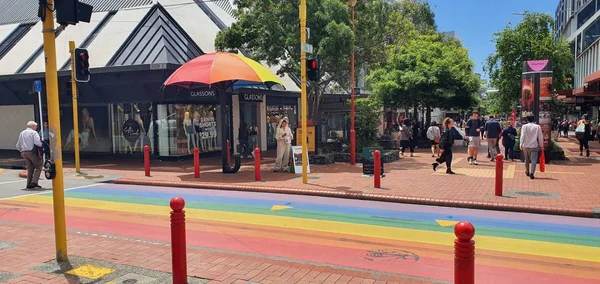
(499, 173)
(147, 160)
(464, 253)
(256, 164)
(228, 152)
(377, 168)
(196, 163)
(178, 246)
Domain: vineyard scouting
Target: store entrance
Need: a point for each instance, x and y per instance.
(249, 132)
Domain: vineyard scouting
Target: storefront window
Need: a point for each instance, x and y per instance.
(133, 127)
(274, 114)
(94, 131)
(182, 127)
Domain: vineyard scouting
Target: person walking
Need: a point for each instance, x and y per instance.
(509, 136)
(472, 131)
(284, 146)
(406, 137)
(446, 143)
(583, 133)
(434, 135)
(493, 130)
(30, 146)
(532, 141)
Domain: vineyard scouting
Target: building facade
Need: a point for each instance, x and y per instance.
(134, 45)
(578, 21)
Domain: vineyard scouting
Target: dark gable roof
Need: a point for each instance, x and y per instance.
(25, 11)
(157, 39)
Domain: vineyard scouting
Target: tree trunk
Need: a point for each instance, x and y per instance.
(428, 116)
(416, 111)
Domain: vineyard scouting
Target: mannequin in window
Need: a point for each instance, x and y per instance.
(86, 128)
(198, 128)
(140, 139)
(188, 128)
(206, 131)
(151, 131)
(213, 131)
(125, 142)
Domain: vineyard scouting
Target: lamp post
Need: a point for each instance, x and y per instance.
(352, 4)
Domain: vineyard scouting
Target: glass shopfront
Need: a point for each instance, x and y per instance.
(182, 127)
(275, 112)
(132, 127)
(94, 128)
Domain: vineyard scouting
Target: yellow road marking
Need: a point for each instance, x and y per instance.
(90, 271)
(541, 248)
(280, 207)
(446, 223)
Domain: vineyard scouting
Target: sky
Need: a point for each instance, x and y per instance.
(475, 21)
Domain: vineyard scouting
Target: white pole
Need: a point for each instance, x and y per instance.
(41, 125)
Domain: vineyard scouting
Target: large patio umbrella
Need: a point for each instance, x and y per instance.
(223, 70)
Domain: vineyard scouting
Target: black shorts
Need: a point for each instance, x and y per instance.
(434, 143)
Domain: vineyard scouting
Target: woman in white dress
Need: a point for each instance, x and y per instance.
(284, 138)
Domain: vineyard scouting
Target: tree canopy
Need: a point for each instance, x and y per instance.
(269, 30)
(531, 39)
(430, 70)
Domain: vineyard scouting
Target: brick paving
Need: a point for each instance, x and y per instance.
(34, 245)
(566, 188)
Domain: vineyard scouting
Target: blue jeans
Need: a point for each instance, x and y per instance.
(531, 156)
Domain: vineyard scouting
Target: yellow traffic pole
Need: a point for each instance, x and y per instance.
(58, 193)
(303, 95)
(75, 115)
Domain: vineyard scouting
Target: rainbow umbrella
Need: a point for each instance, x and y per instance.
(223, 70)
(221, 67)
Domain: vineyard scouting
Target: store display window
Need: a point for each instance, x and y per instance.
(274, 114)
(182, 127)
(132, 127)
(94, 131)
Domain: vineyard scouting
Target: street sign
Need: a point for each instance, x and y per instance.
(308, 48)
(37, 86)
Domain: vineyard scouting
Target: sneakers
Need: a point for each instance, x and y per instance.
(474, 162)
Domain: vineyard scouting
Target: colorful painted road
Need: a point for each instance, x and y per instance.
(395, 238)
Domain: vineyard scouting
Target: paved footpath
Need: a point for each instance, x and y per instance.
(245, 237)
(566, 188)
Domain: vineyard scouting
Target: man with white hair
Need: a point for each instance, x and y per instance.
(28, 144)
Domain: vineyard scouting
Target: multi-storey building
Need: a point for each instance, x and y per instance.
(579, 22)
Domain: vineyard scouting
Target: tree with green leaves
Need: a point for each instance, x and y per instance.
(429, 70)
(269, 30)
(531, 39)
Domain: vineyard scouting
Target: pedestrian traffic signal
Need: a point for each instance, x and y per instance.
(312, 69)
(71, 12)
(82, 65)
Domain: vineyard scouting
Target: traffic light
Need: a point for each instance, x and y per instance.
(71, 12)
(312, 69)
(82, 65)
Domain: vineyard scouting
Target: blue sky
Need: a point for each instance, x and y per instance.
(475, 21)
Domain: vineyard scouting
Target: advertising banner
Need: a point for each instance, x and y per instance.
(297, 157)
(536, 95)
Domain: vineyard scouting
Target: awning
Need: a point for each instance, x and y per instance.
(592, 77)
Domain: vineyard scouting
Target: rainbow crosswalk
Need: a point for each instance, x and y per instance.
(387, 237)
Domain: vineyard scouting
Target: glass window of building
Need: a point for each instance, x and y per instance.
(274, 114)
(586, 13)
(132, 127)
(591, 34)
(182, 127)
(93, 128)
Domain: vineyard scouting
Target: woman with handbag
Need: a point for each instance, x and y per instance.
(583, 133)
(434, 135)
(446, 143)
